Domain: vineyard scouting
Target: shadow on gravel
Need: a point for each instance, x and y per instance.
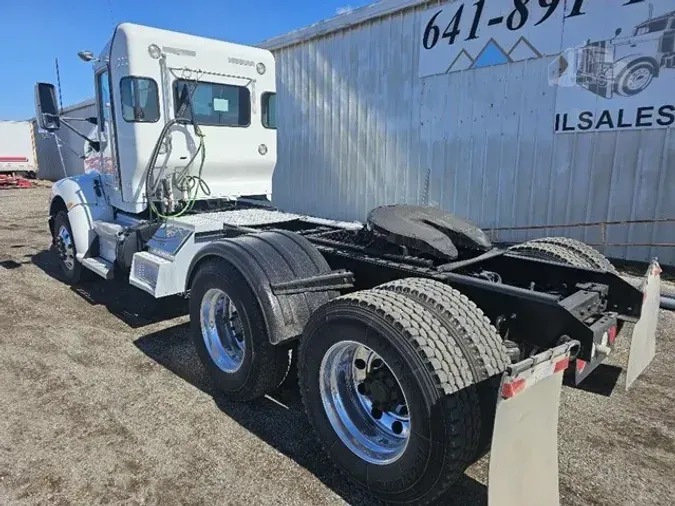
(279, 419)
(131, 305)
(602, 380)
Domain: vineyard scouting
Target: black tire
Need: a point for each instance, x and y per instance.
(264, 366)
(623, 84)
(434, 376)
(473, 332)
(71, 270)
(552, 253)
(596, 259)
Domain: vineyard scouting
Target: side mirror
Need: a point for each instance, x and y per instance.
(46, 109)
(86, 56)
(617, 32)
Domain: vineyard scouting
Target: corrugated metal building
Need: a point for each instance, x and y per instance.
(49, 162)
(359, 127)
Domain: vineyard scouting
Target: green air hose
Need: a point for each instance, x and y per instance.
(184, 181)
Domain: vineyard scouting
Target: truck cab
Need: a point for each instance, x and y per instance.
(640, 57)
(627, 65)
(181, 121)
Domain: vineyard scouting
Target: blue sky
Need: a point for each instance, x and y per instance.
(35, 32)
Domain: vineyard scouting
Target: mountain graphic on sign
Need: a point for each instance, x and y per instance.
(463, 61)
(491, 54)
(523, 50)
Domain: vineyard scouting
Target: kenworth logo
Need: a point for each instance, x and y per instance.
(239, 61)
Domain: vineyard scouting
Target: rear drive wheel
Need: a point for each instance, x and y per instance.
(596, 259)
(567, 251)
(473, 333)
(64, 245)
(389, 395)
(229, 333)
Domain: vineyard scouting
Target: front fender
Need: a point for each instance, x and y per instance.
(84, 207)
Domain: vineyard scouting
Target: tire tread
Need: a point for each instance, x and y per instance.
(552, 252)
(471, 328)
(593, 256)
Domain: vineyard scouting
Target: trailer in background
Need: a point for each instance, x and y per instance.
(17, 149)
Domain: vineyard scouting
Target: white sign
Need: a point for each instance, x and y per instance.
(221, 104)
(617, 69)
(466, 35)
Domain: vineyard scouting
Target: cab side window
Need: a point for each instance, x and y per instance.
(104, 98)
(269, 110)
(140, 100)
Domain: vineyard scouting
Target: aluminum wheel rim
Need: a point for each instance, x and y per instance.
(222, 331)
(639, 80)
(65, 247)
(376, 440)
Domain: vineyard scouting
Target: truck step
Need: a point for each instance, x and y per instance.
(108, 235)
(151, 273)
(100, 266)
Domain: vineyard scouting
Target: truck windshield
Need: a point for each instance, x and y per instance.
(213, 103)
(655, 26)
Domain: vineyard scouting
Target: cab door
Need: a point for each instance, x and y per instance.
(667, 44)
(107, 160)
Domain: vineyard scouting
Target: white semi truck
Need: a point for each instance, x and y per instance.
(420, 344)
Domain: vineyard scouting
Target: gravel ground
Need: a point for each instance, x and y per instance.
(103, 401)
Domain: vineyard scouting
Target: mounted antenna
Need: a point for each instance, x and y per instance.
(58, 83)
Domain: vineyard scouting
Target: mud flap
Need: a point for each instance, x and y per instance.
(643, 342)
(524, 454)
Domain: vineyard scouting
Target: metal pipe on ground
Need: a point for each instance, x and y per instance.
(667, 293)
(668, 303)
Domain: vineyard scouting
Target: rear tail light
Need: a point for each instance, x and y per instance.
(581, 365)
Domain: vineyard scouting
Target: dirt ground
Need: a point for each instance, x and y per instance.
(103, 401)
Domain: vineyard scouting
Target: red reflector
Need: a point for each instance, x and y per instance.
(512, 388)
(611, 334)
(13, 159)
(561, 365)
(581, 365)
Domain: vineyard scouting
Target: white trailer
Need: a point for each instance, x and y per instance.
(17, 148)
(418, 342)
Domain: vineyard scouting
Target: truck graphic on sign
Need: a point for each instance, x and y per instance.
(626, 66)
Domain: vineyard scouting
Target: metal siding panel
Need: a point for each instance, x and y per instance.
(351, 125)
(49, 162)
(665, 203)
(621, 191)
(524, 188)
